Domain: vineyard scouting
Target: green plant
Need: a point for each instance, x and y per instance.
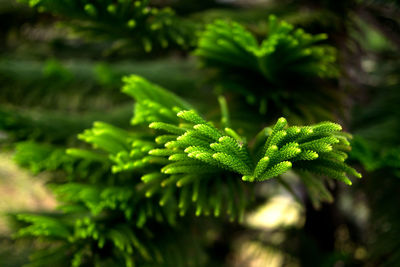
(270, 73)
(155, 191)
(182, 163)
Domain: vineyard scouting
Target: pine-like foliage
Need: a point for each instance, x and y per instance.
(286, 60)
(173, 162)
(178, 184)
(125, 20)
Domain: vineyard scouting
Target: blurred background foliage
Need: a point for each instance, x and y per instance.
(61, 69)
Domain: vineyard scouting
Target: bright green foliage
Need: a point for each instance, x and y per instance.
(131, 190)
(265, 72)
(189, 151)
(317, 148)
(130, 21)
(174, 162)
(229, 45)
